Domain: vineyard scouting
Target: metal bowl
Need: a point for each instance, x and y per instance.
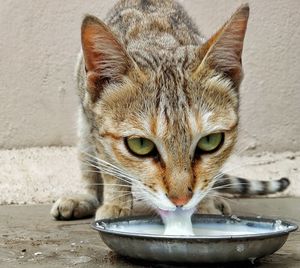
(264, 237)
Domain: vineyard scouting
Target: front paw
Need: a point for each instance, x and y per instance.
(216, 205)
(74, 207)
(112, 211)
(222, 206)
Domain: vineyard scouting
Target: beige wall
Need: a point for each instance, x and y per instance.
(39, 41)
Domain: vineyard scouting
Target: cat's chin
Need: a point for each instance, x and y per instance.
(178, 221)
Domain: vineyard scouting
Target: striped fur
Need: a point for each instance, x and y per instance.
(243, 187)
(146, 71)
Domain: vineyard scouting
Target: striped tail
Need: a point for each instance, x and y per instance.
(235, 185)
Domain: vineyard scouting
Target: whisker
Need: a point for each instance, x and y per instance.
(105, 164)
(252, 163)
(109, 184)
(137, 185)
(120, 176)
(109, 169)
(229, 185)
(108, 172)
(222, 197)
(117, 173)
(118, 197)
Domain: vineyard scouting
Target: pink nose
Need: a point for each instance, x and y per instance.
(180, 201)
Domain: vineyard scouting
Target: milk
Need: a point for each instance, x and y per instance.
(199, 229)
(177, 222)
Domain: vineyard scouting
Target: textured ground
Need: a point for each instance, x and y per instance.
(30, 238)
(41, 175)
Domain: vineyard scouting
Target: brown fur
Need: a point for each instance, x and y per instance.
(148, 73)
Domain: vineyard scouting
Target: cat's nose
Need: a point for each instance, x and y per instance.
(180, 201)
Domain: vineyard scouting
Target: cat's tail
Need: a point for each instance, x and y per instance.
(235, 185)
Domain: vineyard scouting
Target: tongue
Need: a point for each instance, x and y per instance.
(177, 222)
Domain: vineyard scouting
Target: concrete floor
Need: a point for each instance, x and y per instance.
(30, 238)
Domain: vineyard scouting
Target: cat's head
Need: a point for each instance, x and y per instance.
(171, 126)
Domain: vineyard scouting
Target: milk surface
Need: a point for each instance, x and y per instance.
(179, 222)
(199, 229)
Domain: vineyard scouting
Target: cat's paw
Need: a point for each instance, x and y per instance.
(222, 206)
(216, 205)
(112, 211)
(74, 207)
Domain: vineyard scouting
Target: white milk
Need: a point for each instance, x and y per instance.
(177, 222)
(201, 229)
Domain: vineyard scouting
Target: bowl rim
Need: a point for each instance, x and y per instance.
(99, 226)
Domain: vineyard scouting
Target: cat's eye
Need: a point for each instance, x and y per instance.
(210, 142)
(140, 146)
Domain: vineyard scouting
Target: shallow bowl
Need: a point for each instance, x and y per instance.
(217, 239)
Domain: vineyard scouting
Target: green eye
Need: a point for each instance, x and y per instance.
(140, 146)
(210, 142)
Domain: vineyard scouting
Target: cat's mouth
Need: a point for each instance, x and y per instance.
(165, 206)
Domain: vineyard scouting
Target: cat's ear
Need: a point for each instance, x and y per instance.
(223, 50)
(106, 60)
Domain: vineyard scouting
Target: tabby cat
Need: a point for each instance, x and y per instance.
(159, 112)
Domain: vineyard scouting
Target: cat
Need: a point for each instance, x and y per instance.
(158, 112)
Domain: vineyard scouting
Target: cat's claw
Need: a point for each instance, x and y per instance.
(111, 211)
(74, 207)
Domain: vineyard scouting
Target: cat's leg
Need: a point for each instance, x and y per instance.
(83, 205)
(214, 205)
(117, 199)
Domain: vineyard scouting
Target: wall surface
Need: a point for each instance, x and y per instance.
(40, 39)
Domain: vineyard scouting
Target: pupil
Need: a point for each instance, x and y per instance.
(142, 142)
